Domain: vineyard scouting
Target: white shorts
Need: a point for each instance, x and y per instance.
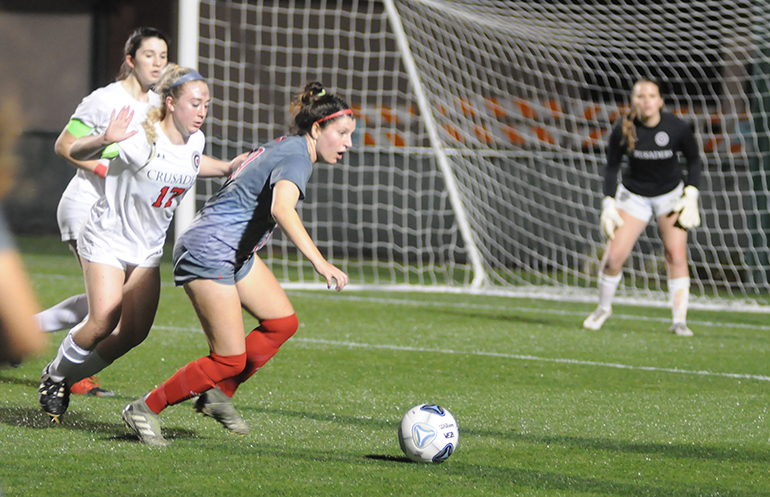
(72, 215)
(95, 249)
(644, 207)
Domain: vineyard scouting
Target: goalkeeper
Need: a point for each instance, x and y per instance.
(654, 184)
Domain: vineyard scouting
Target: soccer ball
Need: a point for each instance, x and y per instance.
(428, 433)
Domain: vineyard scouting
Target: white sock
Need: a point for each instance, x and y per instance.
(64, 315)
(69, 357)
(679, 289)
(607, 287)
(91, 365)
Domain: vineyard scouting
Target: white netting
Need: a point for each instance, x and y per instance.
(522, 94)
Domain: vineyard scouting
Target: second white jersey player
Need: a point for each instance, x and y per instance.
(92, 117)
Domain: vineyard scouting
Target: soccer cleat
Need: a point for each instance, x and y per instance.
(54, 396)
(597, 319)
(681, 330)
(90, 386)
(215, 404)
(145, 423)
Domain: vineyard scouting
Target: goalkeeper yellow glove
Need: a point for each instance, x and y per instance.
(687, 206)
(610, 219)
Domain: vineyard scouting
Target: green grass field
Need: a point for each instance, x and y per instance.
(544, 408)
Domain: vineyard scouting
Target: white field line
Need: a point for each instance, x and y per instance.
(319, 294)
(466, 305)
(337, 343)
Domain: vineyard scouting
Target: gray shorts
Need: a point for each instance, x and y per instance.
(187, 268)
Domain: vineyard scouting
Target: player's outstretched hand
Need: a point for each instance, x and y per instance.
(331, 272)
(610, 218)
(687, 206)
(117, 129)
(238, 161)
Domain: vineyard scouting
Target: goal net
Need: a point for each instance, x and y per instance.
(482, 126)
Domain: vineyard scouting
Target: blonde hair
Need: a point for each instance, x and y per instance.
(629, 128)
(10, 131)
(167, 87)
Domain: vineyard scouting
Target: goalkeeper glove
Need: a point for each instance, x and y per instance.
(687, 207)
(610, 219)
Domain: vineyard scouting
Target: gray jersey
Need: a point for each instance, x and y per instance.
(235, 222)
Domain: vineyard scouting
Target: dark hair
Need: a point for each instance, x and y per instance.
(629, 128)
(132, 45)
(313, 105)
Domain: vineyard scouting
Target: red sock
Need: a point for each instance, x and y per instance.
(194, 379)
(261, 345)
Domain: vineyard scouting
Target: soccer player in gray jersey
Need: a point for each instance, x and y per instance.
(215, 260)
(654, 185)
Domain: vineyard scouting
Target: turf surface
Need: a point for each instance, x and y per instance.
(544, 408)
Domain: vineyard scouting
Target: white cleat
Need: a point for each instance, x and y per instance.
(681, 330)
(597, 318)
(145, 423)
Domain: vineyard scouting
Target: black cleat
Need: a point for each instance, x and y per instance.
(54, 396)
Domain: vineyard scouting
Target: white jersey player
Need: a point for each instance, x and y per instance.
(122, 242)
(91, 118)
(145, 57)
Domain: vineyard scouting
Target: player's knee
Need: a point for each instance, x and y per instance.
(100, 324)
(612, 265)
(279, 330)
(676, 258)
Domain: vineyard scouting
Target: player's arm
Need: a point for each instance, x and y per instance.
(284, 211)
(610, 219)
(687, 206)
(92, 146)
(213, 168)
(74, 130)
(691, 153)
(20, 335)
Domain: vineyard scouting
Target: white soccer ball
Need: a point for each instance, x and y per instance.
(428, 433)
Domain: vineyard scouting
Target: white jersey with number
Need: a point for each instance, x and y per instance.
(85, 188)
(144, 185)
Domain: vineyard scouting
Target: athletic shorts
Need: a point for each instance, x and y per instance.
(187, 268)
(645, 207)
(72, 215)
(94, 249)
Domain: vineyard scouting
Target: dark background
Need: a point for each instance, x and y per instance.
(54, 53)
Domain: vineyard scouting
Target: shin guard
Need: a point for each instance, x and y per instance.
(261, 345)
(194, 379)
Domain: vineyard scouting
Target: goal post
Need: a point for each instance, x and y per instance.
(188, 37)
(482, 129)
(437, 145)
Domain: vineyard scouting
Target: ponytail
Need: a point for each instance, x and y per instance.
(629, 130)
(315, 105)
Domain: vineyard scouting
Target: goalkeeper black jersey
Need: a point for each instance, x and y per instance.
(654, 166)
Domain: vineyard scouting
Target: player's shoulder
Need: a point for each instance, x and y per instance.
(106, 93)
(290, 145)
(672, 120)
